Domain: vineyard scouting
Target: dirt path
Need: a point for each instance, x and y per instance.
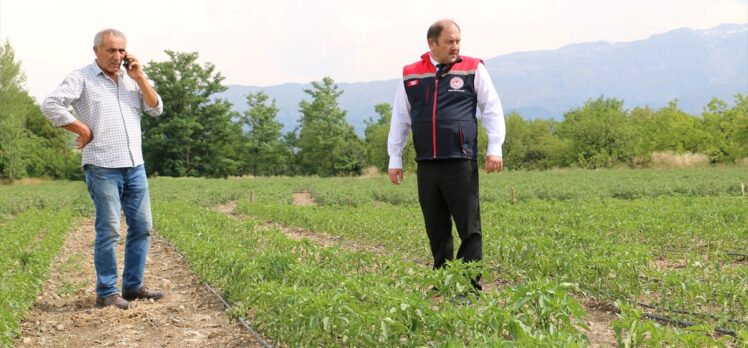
(298, 234)
(303, 198)
(189, 315)
(600, 317)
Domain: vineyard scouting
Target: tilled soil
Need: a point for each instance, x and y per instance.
(189, 316)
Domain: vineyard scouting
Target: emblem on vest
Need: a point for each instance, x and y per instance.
(456, 82)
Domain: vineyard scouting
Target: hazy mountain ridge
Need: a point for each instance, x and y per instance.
(685, 64)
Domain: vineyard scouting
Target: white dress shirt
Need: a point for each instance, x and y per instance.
(111, 110)
(488, 103)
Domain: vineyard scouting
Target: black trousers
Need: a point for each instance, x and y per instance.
(448, 191)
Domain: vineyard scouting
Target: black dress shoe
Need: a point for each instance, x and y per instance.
(142, 294)
(112, 300)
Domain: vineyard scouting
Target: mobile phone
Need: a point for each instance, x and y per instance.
(126, 62)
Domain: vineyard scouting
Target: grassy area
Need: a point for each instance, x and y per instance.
(661, 238)
(664, 243)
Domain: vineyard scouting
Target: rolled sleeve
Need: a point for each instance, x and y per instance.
(154, 111)
(55, 106)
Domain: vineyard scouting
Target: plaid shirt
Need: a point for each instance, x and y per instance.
(112, 112)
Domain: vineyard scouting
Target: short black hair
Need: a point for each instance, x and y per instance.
(436, 29)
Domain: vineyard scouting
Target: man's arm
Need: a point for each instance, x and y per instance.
(150, 97)
(55, 109)
(55, 106)
(493, 118)
(399, 129)
(151, 100)
(135, 71)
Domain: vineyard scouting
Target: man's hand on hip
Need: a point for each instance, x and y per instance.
(84, 133)
(396, 175)
(493, 164)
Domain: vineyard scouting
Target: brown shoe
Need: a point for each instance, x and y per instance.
(142, 294)
(112, 300)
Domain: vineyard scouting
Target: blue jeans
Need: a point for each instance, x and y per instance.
(112, 190)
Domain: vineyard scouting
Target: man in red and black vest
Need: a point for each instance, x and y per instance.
(438, 101)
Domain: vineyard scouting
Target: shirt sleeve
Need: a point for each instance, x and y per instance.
(399, 127)
(491, 111)
(153, 111)
(55, 106)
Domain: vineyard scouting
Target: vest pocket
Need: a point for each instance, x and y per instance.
(422, 140)
(448, 140)
(468, 138)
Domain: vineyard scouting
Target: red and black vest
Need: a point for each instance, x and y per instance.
(443, 108)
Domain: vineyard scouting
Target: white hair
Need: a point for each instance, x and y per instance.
(99, 38)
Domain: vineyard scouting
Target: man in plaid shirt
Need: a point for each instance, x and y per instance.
(109, 96)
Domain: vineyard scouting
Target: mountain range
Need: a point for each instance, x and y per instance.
(689, 65)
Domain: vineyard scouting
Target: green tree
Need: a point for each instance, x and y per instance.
(376, 134)
(13, 142)
(667, 129)
(266, 153)
(291, 141)
(29, 144)
(328, 145)
(375, 137)
(727, 129)
(599, 133)
(533, 144)
(195, 136)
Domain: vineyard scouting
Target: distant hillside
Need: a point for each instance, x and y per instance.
(685, 64)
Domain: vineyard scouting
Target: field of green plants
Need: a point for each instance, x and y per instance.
(664, 249)
(33, 222)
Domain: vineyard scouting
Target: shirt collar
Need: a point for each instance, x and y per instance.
(96, 70)
(433, 62)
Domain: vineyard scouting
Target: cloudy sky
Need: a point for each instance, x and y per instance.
(271, 42)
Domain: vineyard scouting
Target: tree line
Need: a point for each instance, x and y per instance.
(30, 146)
(200, 135)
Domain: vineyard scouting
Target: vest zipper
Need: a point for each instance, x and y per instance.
(433, 114)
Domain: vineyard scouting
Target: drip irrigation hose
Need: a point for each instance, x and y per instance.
(707, 315)
(681, 323)
(241, 319)
(216, 294)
